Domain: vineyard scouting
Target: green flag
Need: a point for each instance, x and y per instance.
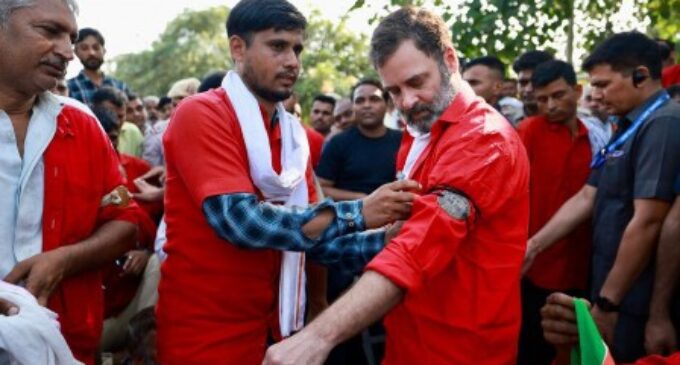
(591, 349)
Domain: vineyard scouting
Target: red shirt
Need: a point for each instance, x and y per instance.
(560, 165)
(216, 301)
(316, 140)
(461, 276)
(670, 76)
(81, 167)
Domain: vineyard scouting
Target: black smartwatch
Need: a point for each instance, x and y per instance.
(606, 305)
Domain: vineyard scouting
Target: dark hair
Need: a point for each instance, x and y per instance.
(108, 93)
(550, 71)
(107, 118)
(372, 82)
(163, 101)
(530, 59)
(426, 29)
(90, 32)
(132, 96)
(492, 62)
(673, 90)
(250, 16)
(139, 328)
(624, 52)
(212, 80)
(324, 99)
(667, 47)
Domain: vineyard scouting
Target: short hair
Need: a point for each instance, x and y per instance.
(90, 32)
(667, 47)
(110, 94)
(673, 90)
(368, 81)
(7, 7)
(107, 118)
(250, 16)
(212, 80)
(530, 60)
(626, 51)
(324, 99)
(550, 71)
(491, 62)
(426, 29)
(163, 101)
(132, 96)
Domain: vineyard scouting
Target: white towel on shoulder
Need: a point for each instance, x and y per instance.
(32, 336)
(288, 187)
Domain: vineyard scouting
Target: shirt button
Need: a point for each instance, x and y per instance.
(348, 215)
(351, 224)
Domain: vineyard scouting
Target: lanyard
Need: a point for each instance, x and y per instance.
(602, 156)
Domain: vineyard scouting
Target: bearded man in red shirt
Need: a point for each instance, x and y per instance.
(449, 283)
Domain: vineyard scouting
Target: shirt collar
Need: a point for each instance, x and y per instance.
(635, 113)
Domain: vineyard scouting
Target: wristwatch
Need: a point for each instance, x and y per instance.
(606, 304)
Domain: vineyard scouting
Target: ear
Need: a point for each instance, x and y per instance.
(451, 60)
(237, 47)
(578, 88)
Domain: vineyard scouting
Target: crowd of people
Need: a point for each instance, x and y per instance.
(444, 213)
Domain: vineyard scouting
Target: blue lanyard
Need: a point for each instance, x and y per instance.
(602, 156)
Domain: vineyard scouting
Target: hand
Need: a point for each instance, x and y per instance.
(147, 192)
(606, 323)
(8, 308)
(136, 262)
(393, 231)
(157, 172)
(302, 348)
(389, 203)
(41, 273)
(660, 336)
(559, 320)
(530, 255)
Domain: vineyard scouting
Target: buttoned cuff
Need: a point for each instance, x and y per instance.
(349, 218)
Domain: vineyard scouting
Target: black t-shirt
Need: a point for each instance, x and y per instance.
(645, 167)
(358, 163)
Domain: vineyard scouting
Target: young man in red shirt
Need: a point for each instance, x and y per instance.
(450, 281)
(234, 156)
(559, 156)
(64, 212)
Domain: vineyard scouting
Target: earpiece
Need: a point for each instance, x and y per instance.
(638, 77)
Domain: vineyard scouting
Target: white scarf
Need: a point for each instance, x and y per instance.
(289, 187)
(32, 336)
(420, 142)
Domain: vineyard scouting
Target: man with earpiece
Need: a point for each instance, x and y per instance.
(629, 192)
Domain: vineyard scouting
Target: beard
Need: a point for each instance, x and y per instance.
(92, 63)
(434, 109)
(260, 90)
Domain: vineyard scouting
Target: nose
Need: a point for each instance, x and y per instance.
(596, 94)
(408, 100)
(292, 60)
(64, 48)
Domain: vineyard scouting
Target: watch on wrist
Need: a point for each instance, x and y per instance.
(606, 305)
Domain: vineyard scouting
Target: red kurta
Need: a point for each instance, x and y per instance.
(315, 145)
(670, 76)
(216, 301)
(81, 167)
(461, 276)
(560, 165)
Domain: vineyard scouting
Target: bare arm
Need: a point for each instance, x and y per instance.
(637, 246)
(366, 302)
(43, 272)
(575, 211)
(338, 194)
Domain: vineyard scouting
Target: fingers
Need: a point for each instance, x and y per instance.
(19, 272)
(142, 185)
(8, 308)
(563, 300)
(403, 185)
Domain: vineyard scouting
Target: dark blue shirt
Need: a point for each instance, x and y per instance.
(82, 88)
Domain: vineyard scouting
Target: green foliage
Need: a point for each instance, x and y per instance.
(335, 58)
(665, 18)
(192, 45)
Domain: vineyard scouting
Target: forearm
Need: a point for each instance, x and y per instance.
(574, 212)
(636, 248)
(244, 221)
(667, 264)
(110, 241)
(340, 194)
(369, 300)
